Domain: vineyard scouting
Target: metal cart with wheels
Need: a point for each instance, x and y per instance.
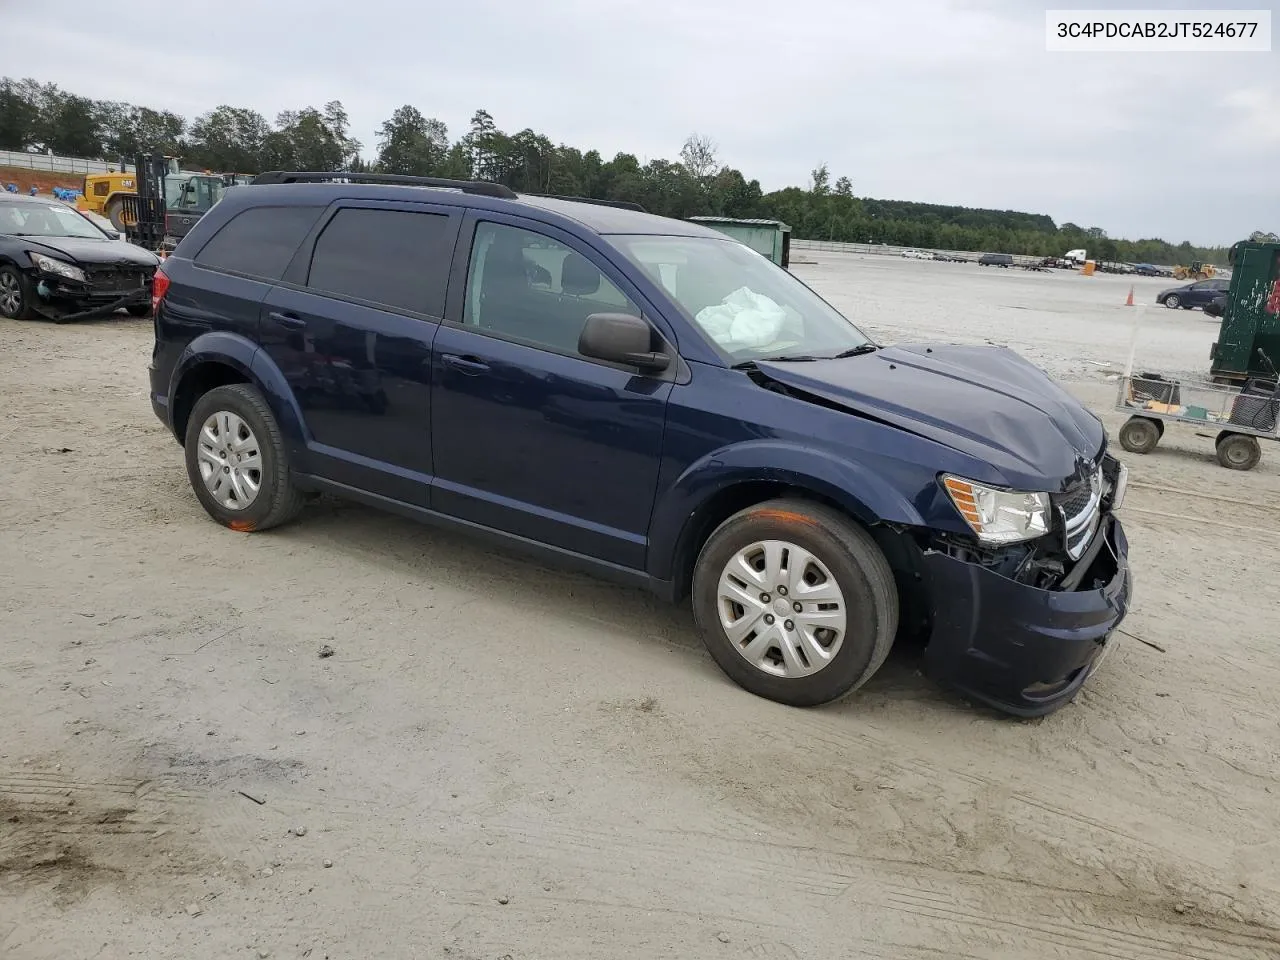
(1242, 415)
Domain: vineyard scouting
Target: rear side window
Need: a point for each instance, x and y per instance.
(395, 258)
(259, 242)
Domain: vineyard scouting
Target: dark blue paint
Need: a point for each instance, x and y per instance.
(611, 470)
(996, 639)
(361, 377)
(554, 448)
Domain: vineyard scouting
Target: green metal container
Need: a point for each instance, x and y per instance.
(769, 237)
(1251, 320)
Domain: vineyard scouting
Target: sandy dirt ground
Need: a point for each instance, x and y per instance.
(502, 760)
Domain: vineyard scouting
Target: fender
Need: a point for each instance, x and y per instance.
(859, 490)
(256, 366)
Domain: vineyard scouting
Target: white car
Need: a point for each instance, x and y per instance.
(917, 255)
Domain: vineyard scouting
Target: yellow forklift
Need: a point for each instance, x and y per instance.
(187, 195)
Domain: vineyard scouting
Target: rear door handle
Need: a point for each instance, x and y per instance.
(289, 320)
(471, 366)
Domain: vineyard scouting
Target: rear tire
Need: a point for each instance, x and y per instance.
(1238, 451)
(257, 493)
(139, 310)
(1140, 434)
(779, 556)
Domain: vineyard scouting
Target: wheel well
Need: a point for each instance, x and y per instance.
(899, 546)
(723, 505)
(195, 383)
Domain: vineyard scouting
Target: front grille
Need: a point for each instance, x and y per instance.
(1081, 510)
(117, 279)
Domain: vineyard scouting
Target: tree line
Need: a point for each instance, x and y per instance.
(42, 117)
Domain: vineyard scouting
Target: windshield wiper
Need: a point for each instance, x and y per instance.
(857, 351)
(789, 358)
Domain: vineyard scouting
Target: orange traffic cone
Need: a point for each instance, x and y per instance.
(1128, 301)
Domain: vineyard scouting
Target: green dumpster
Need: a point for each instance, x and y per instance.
(769, 237)
(1251, 321)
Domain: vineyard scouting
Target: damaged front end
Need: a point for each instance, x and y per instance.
(65, 292)
(1021, 626)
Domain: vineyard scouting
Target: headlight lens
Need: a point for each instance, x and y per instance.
(999, 516)
(58, 267)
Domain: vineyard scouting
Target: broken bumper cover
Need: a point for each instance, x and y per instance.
(1019, 648)
(63, 300)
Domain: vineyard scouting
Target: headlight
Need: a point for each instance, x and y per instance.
(57, 267)
(999, 516)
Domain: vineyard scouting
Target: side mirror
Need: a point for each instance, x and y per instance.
(621, 338)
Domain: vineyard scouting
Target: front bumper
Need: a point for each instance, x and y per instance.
(1016, 647)
(58, 298)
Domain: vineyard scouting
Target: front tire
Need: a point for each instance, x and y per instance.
(1172, 301)
(795, 602)
(237, 462)
(15, 294)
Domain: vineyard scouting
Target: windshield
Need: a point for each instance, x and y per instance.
(196, 194)
(749, 306)
(45, 220)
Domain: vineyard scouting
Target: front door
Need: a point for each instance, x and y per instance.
(352, 330)
(530, 437)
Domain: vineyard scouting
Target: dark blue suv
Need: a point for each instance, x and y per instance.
(656, 403)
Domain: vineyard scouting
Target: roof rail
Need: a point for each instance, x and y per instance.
(479, 187)
(620, 204)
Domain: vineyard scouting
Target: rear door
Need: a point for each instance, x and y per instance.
(352, 328)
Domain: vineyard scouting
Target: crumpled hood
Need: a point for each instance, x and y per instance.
(987, 402)
(92, 252)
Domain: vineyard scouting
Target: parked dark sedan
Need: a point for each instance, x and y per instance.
(56, 264)
(1190, 295)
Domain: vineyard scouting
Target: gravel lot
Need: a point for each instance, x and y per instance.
(501, 760)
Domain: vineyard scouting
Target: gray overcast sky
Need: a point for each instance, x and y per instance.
(945, 101)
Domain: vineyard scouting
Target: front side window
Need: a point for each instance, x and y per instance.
(392, 257)
(529, 287)
(745, 303)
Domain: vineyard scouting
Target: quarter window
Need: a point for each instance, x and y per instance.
(259, 242)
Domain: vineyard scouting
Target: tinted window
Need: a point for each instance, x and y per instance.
(527, 286)
(391, 257)
(259, 242)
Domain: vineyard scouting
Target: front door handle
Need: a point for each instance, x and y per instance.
(471, 366)
(292, 321)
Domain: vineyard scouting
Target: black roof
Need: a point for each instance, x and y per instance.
(606, 220)
(597, 216)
